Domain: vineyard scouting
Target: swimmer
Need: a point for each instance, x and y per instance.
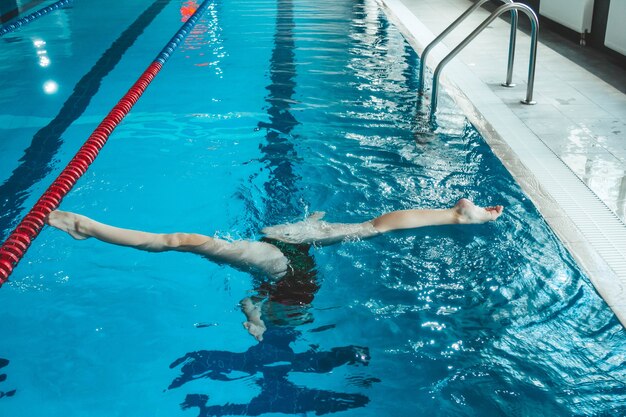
(271, 256)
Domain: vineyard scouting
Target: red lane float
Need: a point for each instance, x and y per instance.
(18, 242)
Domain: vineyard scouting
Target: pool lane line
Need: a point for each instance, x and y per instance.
(37, 161)
(18, 242)
(35, 15)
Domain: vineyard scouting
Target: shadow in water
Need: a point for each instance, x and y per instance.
(274, 359)
(279, 153)
(282, 304)
(3, 377)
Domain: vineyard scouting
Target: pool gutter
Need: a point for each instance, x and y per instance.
(590, 231)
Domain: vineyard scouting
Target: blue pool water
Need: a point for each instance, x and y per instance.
(271, 110)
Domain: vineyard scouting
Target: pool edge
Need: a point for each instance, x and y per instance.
(528, 163)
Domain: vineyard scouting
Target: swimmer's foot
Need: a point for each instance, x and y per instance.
(256, 330)
(469, 213)
(68, 222)
(254, 325)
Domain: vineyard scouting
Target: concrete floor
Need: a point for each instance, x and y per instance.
(568, 152)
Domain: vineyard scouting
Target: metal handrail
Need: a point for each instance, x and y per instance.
(533, 51)
(453, 25)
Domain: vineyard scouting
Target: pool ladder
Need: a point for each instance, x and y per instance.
(511, 6)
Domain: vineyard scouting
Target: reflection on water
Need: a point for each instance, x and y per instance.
(279, 152)
(459, 321)
(592, 151)
(274, 359)
(204, 43)
(187, 10)
(38, 158)
(284, 304)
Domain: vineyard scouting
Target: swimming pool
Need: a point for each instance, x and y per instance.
(269, 111)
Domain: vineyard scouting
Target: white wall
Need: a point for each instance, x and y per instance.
(574, 14)
(616, 27)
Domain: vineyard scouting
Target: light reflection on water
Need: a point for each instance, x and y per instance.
(471, 321)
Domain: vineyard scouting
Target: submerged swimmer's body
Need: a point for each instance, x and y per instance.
(266, 257)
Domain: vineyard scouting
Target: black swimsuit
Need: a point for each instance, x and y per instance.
(299, 285)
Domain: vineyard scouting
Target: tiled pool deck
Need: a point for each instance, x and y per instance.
(568, 152)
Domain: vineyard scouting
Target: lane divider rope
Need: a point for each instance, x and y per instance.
(34, 15)
(14, 248)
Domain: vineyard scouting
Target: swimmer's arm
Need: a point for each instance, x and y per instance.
(312, 230)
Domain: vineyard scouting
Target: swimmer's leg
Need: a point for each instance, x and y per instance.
(82, 227)
(256, 257)
(463, 212)
(314, 231)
